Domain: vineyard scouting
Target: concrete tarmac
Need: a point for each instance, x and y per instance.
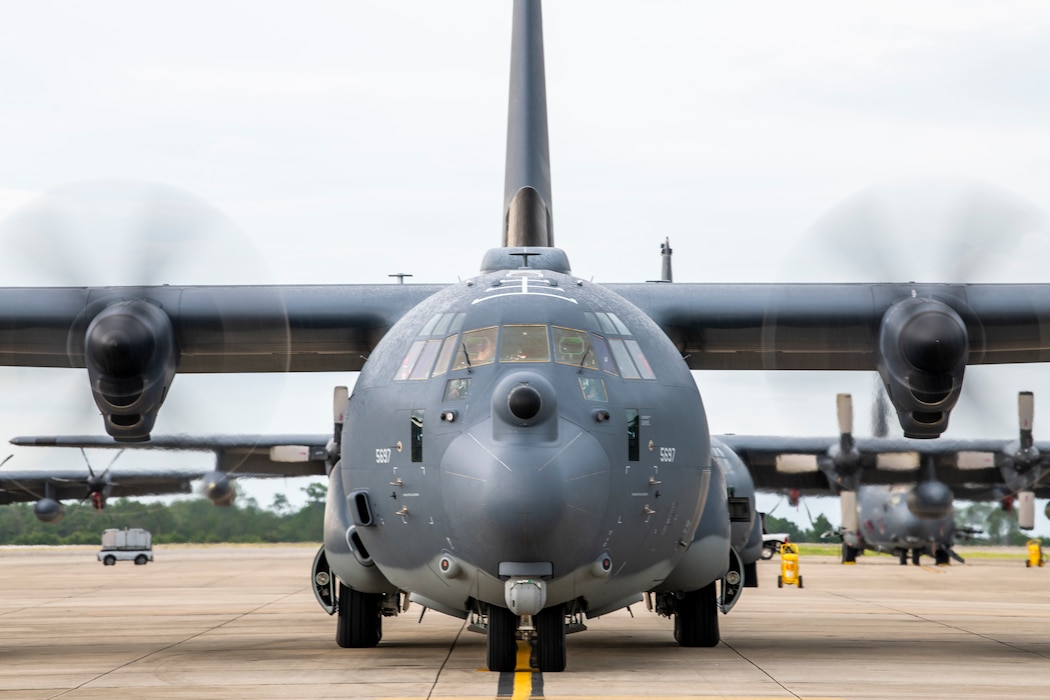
(241, 622)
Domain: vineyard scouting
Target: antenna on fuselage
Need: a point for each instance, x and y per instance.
(527, 217)
(525, 255)
(665, 261)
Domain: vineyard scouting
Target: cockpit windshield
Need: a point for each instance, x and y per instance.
(477, 348)
(524, 344)
(619, 355)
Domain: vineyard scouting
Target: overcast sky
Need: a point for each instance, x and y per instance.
(340, 142)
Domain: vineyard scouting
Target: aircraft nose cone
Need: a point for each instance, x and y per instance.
(535, 504)
(931, 500)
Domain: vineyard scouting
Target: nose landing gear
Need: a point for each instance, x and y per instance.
(544, 633)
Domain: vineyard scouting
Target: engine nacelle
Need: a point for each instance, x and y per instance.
(219, 488)
(131, 358)
(921, 356)
(48, 510)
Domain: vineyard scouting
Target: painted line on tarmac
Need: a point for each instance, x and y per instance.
(934, 569)
(523, 682)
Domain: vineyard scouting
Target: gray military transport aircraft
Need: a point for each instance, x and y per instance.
(869, 475)
(47, 488)
(884, 523)
(526, 448)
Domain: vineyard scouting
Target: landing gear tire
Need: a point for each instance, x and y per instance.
(696, 618)
(915, 554)
(359, 622)
(502, 639)
(904, 557)
(941, 557)
(751, 575)
(849, 554)
(550, 639)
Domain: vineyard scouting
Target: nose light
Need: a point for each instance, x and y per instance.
(524, 402)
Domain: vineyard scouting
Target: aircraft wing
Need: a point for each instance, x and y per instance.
(834, 326)
(133, 340)
(974, 469)
(334, 327)
(313, 328)
(269, 455)
(71, 484)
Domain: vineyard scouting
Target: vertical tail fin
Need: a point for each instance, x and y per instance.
(527, 218)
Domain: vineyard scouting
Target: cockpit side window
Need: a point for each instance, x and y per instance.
(638, 356)
(410, 359)
(524, 343)
(606, 325)
(620, 327)
(428, 328)
(602, 355)
(593, 389)
(440, 324)
(457, 389)
(573, 347)
(478, 347)
(426, 360)
(623, 359)
(447, 349)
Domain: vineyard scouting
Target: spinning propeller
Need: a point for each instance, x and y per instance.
(99, 486)
(140, 236)
(926, 230)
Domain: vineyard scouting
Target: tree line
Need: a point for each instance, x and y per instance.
(989, 523)
(182, 521)
(198, 521)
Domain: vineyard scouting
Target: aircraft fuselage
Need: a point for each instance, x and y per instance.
(886, 524)
(524, 423)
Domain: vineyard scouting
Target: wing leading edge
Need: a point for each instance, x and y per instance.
(309, 328)
(246, 455)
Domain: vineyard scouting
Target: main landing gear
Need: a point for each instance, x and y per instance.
(695, 614)
(696, 617)
(941, 556)
(359, 620)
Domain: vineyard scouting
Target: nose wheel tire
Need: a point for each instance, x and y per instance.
(502, 639)
(550, 639)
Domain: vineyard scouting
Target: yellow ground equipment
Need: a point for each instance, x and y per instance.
(1035, 553)
(789, 566)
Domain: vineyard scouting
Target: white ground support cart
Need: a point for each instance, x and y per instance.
(129, 544)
